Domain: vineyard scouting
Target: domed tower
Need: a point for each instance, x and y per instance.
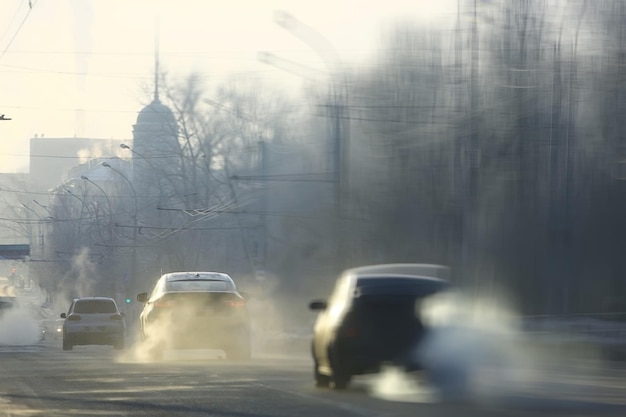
(155, 139)
(156, 130)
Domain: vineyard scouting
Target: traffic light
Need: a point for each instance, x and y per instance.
(128, 300)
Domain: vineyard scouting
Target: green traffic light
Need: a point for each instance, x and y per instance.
(127, 300)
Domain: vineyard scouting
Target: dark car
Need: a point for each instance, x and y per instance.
(51, 328)
(195, 310)
(371, 319)
(6, 303)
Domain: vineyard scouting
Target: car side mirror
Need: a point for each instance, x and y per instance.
(62, 315)
(142, 297)
(318, 305)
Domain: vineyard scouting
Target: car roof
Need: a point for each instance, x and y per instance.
(407, 270)
(93, 298)
(213, 276)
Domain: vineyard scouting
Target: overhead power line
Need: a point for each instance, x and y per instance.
(19, 28)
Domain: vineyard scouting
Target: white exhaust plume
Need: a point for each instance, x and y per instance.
(160, 339)
(80, 281)
(19, 327)
(280, 327)
(19, 324)
(476, 351)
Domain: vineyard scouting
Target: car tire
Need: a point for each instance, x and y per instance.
(67, 345)
(340, 378)
(321, 380)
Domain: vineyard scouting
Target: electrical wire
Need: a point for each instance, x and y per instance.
(15, 14)
(19, 28)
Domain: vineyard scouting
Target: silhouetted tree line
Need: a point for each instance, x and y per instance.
(497, 146)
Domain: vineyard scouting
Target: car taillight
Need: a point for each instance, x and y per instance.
(116, 317)
(235, 303)
(350, 332)
(73, 317)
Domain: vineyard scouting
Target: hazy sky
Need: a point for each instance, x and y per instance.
(60, 56)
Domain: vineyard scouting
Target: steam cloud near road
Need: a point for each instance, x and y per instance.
(478, 352)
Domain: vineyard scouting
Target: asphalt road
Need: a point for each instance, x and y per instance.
(42, 380)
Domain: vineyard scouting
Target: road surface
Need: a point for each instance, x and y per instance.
(43, 380)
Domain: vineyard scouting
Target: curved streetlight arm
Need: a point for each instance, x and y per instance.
(107, 165)
(42, 206)
(154, 168)
(82, 177)
(290, 66)
(311, 37)
(133, 266)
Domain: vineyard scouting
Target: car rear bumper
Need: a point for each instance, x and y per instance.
(200, 336)
(95, 338)
(364, 359)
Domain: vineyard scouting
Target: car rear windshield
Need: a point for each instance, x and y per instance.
(398, 286)
(94, 307)
(198, 285)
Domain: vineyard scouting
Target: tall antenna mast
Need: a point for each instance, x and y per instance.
(156, 59)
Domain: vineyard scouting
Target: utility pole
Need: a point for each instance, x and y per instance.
(130, 289)
(338, 137)
(263, 164)
(469, 249)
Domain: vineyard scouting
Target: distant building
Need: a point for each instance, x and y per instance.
(51, 159)
(155, 148)
(17, 226)
(13, 194)
(156, 132)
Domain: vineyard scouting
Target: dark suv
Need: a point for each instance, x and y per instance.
(372, 318)
(6, 303)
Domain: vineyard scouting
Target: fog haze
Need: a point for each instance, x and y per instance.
(282, 144)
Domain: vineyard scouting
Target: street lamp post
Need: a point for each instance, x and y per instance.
(82, 206)
(132, 188)
(336, 106)
(154, 168)
(135, 225)
(144, 181)
(328, 54)
(108, 203)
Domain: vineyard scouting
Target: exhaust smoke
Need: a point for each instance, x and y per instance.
(19, 327)
(477, 351)
(19, 316)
